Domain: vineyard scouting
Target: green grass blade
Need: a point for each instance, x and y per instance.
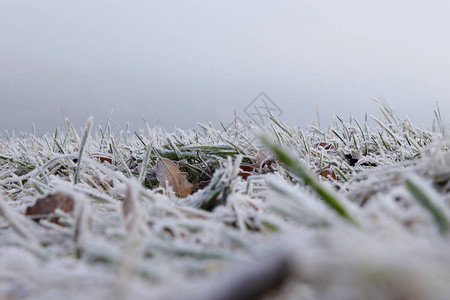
(145, 163)
(426, 201)
(327, 195)
(87, 131)
(141, 140)
(58, 146)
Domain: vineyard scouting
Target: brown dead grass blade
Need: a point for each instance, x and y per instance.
(168, 172)
(129, 208)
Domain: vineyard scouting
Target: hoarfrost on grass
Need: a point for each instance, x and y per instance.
(129, 238)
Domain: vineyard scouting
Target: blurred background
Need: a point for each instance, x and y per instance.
(177, 63)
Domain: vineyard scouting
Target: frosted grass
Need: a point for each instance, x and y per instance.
(391, 178)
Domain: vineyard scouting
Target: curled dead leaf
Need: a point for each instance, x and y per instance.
(324, 145)
(102, 157)
(246, 170)
(48, 204)
(263, 164)
(327, 173)
(353, 157)
(167, 172)
(261, 158)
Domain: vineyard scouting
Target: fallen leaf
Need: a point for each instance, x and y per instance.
(102, 157)
(325, 145)
(48, 204)
(246, 170)
(168, 172)
(327, 173)
(261, 158)
(263, 163)
(353, 157)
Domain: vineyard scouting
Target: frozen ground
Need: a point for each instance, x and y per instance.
(346, 212)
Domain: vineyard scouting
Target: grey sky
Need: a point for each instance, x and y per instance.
(181, 62)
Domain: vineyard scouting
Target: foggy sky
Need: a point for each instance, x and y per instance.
(177, 63)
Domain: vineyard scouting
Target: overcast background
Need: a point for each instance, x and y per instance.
(183, 62)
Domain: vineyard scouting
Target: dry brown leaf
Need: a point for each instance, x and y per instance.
(246, 170)
(324, 145)
(168, 171)
(263, 163)
(47, 205)
(102, 157)
(260, 158)
(353, 157)
(327, 173)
